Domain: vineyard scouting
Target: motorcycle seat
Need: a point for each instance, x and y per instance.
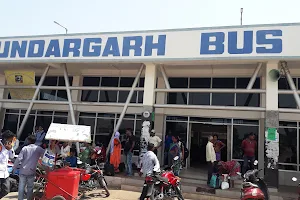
(249, 184)
(162, 179)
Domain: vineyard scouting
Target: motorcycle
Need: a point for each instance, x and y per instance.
(164, 185)
(254, 187)
(91, 178)
(295, 179)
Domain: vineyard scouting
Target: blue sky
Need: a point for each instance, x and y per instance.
(35, 17)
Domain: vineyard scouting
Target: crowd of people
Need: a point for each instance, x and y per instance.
(214, 149)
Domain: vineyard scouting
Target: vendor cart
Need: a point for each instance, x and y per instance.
(63, 183)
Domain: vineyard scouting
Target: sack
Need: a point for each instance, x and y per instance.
(122, 167)
(48, 159)
(224, 185)
(109, 169)
(215, 182)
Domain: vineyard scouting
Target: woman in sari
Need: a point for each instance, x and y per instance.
(174, 151)
(115, 152)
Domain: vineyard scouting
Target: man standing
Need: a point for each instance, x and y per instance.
(40, 136)
(128, 151)
(249, 148)
(155, 140)
(210, 158)
(150, 165)
(6, 152)
(27, 162)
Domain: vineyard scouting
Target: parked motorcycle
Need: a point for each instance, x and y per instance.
(254, 187)
(164, 185)
(295, 179)
(91, 178)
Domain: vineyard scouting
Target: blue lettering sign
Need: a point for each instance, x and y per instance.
(136, 47)
(233, 43)
(214, 40)
(17, 48)
(5, 52)
(111, 47)
(262, 41)
(53, 49)
(71, 46)
(36, 48)
(160, 45)
(91, 47)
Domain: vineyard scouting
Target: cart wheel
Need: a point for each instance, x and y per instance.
(37, 195)
(58, 198)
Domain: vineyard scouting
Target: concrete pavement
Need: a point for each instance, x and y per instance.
(115, 195)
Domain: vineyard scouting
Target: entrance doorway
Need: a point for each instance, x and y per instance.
(198, 139)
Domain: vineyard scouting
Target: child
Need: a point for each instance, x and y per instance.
(72, 159)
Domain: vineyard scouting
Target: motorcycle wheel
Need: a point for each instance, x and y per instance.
(58, 198)
(103, 184)
(178, 193)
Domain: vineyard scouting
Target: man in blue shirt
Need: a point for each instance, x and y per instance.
(27, 162)
(72, 159)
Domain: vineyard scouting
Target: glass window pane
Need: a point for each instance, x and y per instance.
(252, 100)
(107, 115)
(200, 82)
(287, 167)
(239, 134)
(29, 126)
(87, 114)
(62, 95)
(223, 82)
(138, 128)
(284, 85)
(242, 83)
(199, 99)
(286, 101)
(60, 113)
(11, 122)
(109, 96)
(42, 112)
(177, 98)
(126, 123)
(178, 129)
(12, 111)
(288, 124)
(60, 120)
(49, 81)
(287, 145)
(104, 126)
(91, 81)
(49, 95)
(178, 82)
(87, 122)
(110, 81)
(61, 81)
(126, 81)
(141, 96)
(44, 121)
(245, 121)
(142, 81)
(123, 97)
(222, 99)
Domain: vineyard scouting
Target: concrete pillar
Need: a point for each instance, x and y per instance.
(3, 95)
(159, 121)
(271, 124)
(148, 102)
(76, 95)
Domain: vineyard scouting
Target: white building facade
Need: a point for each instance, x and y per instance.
(193, 82)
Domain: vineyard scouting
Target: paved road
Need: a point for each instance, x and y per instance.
(115, 195)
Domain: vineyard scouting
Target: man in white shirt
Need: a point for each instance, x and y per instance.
(6, 153)
(155, 140)
(65, 150)
(210, 157)
(150, 165)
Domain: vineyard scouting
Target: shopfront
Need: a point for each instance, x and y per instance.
(193, 82)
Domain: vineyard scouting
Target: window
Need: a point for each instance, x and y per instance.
(53, 95)
(90, 95)
(199, 98)
(14, 118)
(178, 98)
(286, 100)
(223, 99)
(243, 99)
(109, 95)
